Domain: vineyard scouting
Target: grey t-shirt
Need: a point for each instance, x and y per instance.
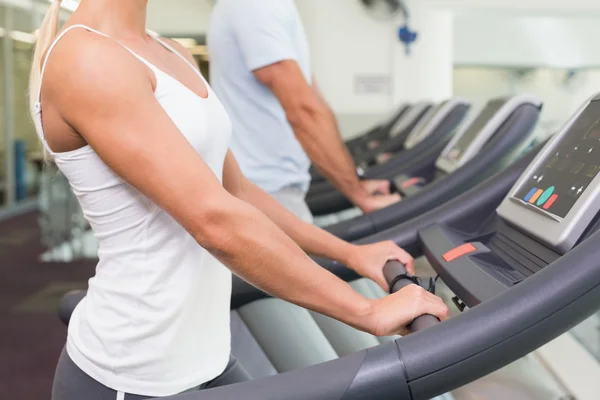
(246, 35)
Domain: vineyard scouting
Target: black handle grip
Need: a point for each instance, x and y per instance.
(391, 271)
(423, 322)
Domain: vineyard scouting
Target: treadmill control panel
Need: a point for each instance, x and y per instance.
(558, 195)
(475, 128)
(566, 172)
(419, 132)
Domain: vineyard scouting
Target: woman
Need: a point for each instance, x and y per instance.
(143, 141)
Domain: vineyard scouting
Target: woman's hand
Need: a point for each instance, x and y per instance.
(369, 260)
(392, 314)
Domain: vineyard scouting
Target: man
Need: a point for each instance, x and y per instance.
(260, 69)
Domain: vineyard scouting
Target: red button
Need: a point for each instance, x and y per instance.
(458, 252)
(550, 202)
(410, 182)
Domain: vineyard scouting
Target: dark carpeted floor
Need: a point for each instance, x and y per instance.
(31, 336)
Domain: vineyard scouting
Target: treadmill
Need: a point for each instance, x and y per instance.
(379, 132)
(526, 266)
(500, 133)
(463, 147)
(398, 131)
(421, 113)
(423, 144)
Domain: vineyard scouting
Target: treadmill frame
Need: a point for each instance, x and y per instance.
(430, 122)
(448, 165)
(559, 233)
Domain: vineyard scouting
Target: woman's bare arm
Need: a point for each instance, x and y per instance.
(367, 261)
(111, 104)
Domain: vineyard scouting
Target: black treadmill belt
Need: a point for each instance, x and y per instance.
(517, 272)
(512, 275)
(515, 256)
(540, 263)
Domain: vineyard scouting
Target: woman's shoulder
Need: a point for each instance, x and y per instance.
(84, 58)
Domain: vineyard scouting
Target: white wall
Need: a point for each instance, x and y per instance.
(347, 43)
(427, 73)
(513, 40)
(539, 7)
(344, 43)
(191, 16)
(179, 16)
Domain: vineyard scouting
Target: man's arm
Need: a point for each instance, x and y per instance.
(317, 90)
(367, 260)
(265, 33)
(316, 129)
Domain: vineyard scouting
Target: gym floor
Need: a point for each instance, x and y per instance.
(31, 335)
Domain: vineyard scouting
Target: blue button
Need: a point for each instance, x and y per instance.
(530, 194)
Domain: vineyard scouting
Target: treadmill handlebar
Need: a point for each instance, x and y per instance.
(397, 277)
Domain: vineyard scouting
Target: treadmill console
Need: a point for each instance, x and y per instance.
(432, 121)
(415, 113)
(459, 148)
(466, 144)
(421, 130)
(559, 194)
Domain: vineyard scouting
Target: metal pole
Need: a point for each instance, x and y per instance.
(9, 116)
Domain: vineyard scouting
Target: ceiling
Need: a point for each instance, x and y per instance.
(529, 7)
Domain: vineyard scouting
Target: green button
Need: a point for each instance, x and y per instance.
(545, 196)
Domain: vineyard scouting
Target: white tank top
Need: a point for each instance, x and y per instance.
(155, 320)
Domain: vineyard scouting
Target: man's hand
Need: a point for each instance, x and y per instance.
(369, 260)
(378, 195)
(377, 202)
(377, 186)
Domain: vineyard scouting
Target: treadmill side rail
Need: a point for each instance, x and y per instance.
(484, 339)
(506, 328)
(376, 373)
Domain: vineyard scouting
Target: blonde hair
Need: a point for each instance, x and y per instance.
(45, 36)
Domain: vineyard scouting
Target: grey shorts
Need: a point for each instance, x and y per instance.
(293, 198)
(71, 383)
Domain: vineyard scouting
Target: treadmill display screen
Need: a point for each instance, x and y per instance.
(417, 135)
(471, 133)
(566, 173)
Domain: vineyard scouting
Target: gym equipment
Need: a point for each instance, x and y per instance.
(495, 138)
(479, 252)
(524, 286)
(245, 334)
(400, 129)
(423, 144)
(529, 269)
(379, 132)
(397, 278)
(415, 118)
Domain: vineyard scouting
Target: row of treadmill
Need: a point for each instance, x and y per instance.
(508, 222)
